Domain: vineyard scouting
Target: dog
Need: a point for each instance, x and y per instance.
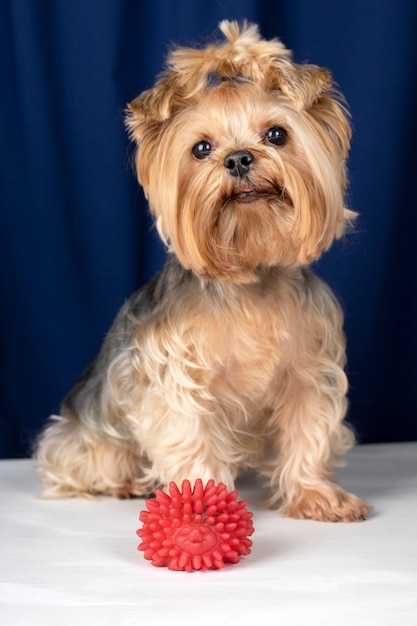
(233, 356)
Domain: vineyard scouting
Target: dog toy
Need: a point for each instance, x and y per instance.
(195, 529)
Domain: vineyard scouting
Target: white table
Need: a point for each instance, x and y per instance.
(76, 562)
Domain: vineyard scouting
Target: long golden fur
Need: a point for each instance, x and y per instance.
(233, 356)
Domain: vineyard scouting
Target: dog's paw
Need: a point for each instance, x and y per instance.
(328, 505)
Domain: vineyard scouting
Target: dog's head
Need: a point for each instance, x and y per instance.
(241, 153)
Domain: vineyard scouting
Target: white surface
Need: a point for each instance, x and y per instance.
(76, 562)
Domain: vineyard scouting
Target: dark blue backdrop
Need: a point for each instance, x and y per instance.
(75, 238)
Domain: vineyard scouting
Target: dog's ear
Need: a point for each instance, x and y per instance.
(175, 89)
(302, 84)
(152, 107)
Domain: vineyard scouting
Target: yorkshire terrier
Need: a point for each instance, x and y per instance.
(233, 356)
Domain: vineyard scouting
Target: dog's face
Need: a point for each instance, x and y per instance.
(247, 170)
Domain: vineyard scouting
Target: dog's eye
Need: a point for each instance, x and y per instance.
(202, 150)
(276, 136)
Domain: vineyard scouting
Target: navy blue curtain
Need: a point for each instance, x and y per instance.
(75, 237)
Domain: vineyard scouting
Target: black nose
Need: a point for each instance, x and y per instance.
(238, 163)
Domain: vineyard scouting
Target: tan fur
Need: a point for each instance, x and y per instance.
(233, 357)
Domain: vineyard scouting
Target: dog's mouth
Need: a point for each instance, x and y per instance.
(247, 194)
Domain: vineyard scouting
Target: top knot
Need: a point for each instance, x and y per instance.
(244, 54)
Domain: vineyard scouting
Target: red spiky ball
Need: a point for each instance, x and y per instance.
(196, 529)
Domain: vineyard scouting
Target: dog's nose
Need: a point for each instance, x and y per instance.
(238, 163)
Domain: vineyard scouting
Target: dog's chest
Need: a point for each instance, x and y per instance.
(246, 345)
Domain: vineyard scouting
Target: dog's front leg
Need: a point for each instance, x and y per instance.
(311, 436)
(183, 444)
